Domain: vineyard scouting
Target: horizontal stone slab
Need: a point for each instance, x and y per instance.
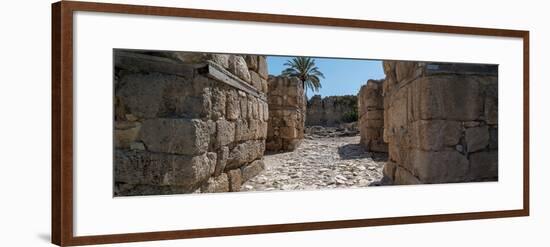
(157, 169)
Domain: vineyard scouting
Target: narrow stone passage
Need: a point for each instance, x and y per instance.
(319, 163)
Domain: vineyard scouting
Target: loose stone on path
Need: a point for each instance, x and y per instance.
(320, 163)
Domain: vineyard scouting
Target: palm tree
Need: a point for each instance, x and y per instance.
(304, 68)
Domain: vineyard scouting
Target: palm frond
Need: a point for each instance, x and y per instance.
(304, 68)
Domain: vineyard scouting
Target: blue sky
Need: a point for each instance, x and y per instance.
(342, 76)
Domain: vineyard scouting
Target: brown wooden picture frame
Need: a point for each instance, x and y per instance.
(62, 122)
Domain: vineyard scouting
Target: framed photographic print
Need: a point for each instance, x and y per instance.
(173, 123)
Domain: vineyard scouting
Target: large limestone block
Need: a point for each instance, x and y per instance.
(221, 162)
(159, 95)
(126, 133)
(176, 136)
(225, 131)
(218, 103)
(397, 110)
(243, 101)
(370, 95)
(398, 147)
(145, 168)
(235, 179)
(405, 70)
(196, 57)
(438, 167)
(404, 177)
(389, 170)
(237, 66)
(244, 153)
(216, 184)
(446, 97)
(212, 159)
(255, 80)
(477, 138)
(251, 62)
(262, 67)
(233, 110)
(435, 134)
(241, 130)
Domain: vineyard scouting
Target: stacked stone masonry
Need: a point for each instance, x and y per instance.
(440, 122)
(371, 116)
(286, 113)
(188, 122)
(330, 111)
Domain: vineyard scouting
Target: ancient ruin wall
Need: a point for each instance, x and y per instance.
(371, 116)
(187, 122)
(331, 111)
(440, 122)
(286, 113)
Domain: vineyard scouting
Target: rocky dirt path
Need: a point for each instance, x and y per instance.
(320, 163)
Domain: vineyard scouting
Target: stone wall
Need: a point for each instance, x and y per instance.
(330, 111)
(187, 122)
(371, 116)
(440, 122)
(286, 113)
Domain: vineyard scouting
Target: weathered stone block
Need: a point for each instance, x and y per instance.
(266, 111)
(438, 167)
(405, 70)
(243, 100)
(404, 177)
(244, 153)
(196, 57)
(212, 159)
(221, 162)
(251, 170)
(158, 95)
(241, 130)
(264, 85)
(126, 134)
(216, 184)
(251, 62)
(225, 132)
(255, 80)
(218, 103)
(176, 136)
(477, 138)
(435, 134)
(446, 97)
(233, 110)
(237, 66)
(262, 67)
(235, 179)
(389, 170)
(397, 110)
(145, 168)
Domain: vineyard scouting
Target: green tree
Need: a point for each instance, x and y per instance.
(304, 68)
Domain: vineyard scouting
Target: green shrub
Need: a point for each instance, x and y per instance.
(350, 116)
